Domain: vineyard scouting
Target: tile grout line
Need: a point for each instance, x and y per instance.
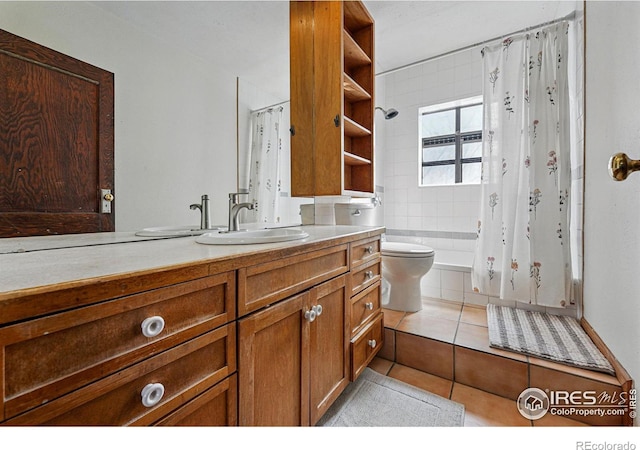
(453, 344)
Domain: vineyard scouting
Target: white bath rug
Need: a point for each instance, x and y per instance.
(374, 400)
(547, 336)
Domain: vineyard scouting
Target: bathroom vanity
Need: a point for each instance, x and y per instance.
(172, 332)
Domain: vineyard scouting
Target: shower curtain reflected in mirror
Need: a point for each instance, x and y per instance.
(523, 248)
(264, 176)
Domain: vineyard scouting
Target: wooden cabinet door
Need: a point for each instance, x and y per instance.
(273, 365)
(292, 368)
(329, 345)
(316, 92)
(56, 141)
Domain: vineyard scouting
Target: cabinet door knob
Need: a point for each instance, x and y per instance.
(310, 315)
(368, 274)
(318, 310)
(152, 326)
(369, 305)
(372, 343)
(151, 394)
(369, 249)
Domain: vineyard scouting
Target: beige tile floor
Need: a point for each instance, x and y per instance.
(482, 409)
(465, 329)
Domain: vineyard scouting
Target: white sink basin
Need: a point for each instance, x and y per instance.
(186, 230)
(252, 236)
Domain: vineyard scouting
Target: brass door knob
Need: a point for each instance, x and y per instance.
(109, 197)
(620, 166)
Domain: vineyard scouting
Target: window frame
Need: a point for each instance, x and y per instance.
(457, 139)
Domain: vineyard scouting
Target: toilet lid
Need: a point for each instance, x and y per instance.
(406, 250)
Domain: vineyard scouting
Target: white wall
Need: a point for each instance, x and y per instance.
(408, 207)
(612, 212)
(175, 121)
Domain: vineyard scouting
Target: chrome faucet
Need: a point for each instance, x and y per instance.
(234, 210)
(205, 215)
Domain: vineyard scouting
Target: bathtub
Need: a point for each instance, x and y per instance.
(455, 260)
(450, 278)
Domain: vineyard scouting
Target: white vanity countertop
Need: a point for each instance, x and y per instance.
(64, 259)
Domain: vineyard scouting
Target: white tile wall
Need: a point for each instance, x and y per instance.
(429, 208)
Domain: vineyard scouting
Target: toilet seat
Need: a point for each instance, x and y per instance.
(406, 250)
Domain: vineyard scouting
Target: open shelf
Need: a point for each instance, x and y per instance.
(354, 129)
(356, 16)
(354, 160)
(353, 92)
(354, 56)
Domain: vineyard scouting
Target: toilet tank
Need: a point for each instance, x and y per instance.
(364, 214)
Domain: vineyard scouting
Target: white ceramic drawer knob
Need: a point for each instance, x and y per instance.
(152, 326)
(310, 315)
(152, 394)
(372, 343)
(368, 274)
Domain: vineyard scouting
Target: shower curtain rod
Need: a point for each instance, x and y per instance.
(270, 106)
(569, 16)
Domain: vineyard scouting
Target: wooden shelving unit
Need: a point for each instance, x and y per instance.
(332, 98)
(358, 54)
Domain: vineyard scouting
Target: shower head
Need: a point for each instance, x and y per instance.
(388, 114)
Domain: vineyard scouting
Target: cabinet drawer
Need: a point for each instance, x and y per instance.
(216, 407)
(365, 346)
(183, 371)
(364, 276)
(364, 251)
(364, 306)
(48, 357)
(263, 284)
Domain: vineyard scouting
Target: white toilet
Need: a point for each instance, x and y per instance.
(403, 264)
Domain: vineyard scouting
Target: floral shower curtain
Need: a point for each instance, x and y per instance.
(522, 251)
(264, 174)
